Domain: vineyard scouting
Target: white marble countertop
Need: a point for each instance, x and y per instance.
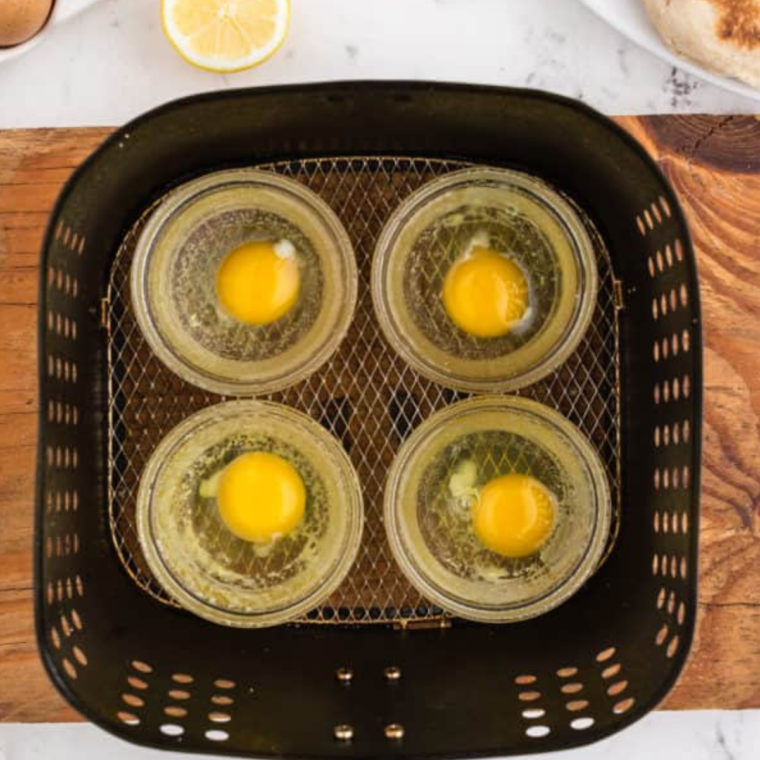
(112, 63)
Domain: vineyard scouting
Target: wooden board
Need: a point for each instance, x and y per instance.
(714, 164)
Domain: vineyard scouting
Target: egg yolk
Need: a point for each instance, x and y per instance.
(261, 497)
(259, 282)
(514, 515)
(485, 293)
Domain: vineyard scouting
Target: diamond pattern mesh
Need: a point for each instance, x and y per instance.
(365, 395)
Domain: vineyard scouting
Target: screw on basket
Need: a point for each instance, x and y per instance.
(344, 732)
(394, 731)
(392, 673)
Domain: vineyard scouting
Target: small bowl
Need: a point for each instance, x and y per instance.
(429, 521)
(516, 214)
(174, 271)
(204, 566)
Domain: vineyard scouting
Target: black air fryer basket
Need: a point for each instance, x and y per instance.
(378, 671)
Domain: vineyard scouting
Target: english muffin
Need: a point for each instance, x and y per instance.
(721, 35)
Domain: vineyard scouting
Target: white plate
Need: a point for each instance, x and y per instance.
(63, 10)
(630, 18)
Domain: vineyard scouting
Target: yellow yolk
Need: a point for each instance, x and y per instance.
(261, 497)
(485, 293)
(514, 515)
(258, 283)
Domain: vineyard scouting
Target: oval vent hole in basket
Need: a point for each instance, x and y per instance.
(215, 735)
(606, 654)
(68, 666)
(172, 729)
(537, 732)
(141, 667)
(581, 724)
(684, 568)
(137, 683)
(572, 688)
(525, 680)
(613, 670)
(671, 602)
(173, 711)
(222, 683)
(182, 678)
(674, 522)
(577, 705)
(672, 646)
(533, 713)
(79, 655)
(681, 616)
(218, 699)
(79, 585)
(132, 700)
(219, 717)
(77, 620)
(661, 635)
(567, 672)
(623, 706)
(179, 694)
(55, 637)
(128, 718)
(529, 696)
(617, 688)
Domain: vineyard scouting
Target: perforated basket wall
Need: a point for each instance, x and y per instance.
(150, 672)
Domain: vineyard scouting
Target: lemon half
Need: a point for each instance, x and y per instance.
(225, 35)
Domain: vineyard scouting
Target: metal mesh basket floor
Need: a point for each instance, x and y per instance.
(366, 395)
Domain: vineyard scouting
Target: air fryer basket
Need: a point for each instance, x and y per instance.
(154, 674)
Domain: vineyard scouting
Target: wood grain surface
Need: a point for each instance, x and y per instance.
(714, 165)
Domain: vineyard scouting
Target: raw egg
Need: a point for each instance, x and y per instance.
(514, 515)
(258, 283)
(485, 293)
(261, 497)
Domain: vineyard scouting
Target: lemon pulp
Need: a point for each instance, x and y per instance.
(485, 293)
(258, 283)
(261, 497)
(225, 35)
(514, 515)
